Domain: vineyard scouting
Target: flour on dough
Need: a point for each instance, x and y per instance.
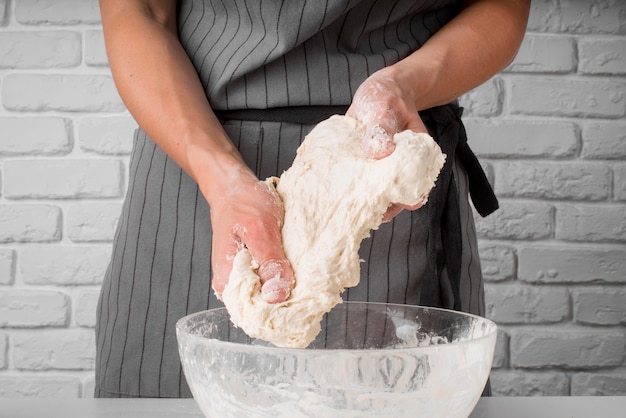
(333, 196)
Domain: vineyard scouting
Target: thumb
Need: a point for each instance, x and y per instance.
(378, 141)
(275, 271)
(277, 279)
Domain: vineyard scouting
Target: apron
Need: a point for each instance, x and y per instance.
(160, 268)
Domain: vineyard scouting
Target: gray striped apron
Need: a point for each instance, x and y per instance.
(160, 268)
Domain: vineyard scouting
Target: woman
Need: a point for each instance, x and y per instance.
(223, 92)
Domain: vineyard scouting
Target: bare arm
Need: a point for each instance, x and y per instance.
(480, 41)
(474, 46)
(471, 48)
(162, 91)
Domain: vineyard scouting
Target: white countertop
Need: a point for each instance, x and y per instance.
(496, 407)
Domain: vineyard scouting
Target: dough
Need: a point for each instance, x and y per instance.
(334, 196)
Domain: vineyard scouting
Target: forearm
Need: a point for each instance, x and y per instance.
(162, 91)
(470, 49)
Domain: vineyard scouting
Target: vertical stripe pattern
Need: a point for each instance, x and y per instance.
(160, 269)
(255, 54)
(273, 53)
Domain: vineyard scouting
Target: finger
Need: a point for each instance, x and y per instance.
(277, 280)
(392, 211)
(395, 208)
(275, 271)
(222, 262)
(377, 143)
(380, 122)
(381, 125)
(413, 207)
(378, 139)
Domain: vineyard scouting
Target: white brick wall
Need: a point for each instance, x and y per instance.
(554, 256)
(65, 137)
(550, 131)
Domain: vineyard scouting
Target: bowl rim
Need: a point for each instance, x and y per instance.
(493, 329)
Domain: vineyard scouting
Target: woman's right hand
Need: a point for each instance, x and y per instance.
(250, 214)
(150, 65)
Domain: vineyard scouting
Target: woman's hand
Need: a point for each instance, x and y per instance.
(250, 214)
(385, 108)
(463, 54)
(150, 66)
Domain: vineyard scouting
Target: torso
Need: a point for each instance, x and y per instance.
(261, 54)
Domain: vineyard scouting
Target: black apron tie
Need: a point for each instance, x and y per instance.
(481, 192)
(441, 286)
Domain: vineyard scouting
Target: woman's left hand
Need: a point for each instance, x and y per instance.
(385, 108)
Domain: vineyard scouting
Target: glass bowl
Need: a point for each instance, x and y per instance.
(369, 360)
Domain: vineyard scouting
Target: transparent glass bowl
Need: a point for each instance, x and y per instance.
(369, 360)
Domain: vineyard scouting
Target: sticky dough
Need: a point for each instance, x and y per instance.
(333, 196)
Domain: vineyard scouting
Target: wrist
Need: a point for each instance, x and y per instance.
(214, 163)
(417, 79)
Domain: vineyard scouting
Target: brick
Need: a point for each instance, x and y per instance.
(40, 136)
(4, 357)
(489, 171)
(92, 222)
(57, 12)
(545, 54)
(575, 348)
(95, 52)
(39, 49)
(7, 266)
(604, 140)
(565, 264)
(108, 136)
(26, 308)
(3, 12)
(611, 383)
(85, 311)
(483, 101)
(529, 383)
(574, 16)
(503, 138)
(89, 386)
(63, 178)
(37, 386)
(501, 353)
(619, 182)
(600, 306)
(519, 304)
(518, 220)
(602, 55)
(602, 223)
(63, 265)
(29, 223)
(54, 350)
(560, 96)
(498, 261)
(60, 92)
(553, 180)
